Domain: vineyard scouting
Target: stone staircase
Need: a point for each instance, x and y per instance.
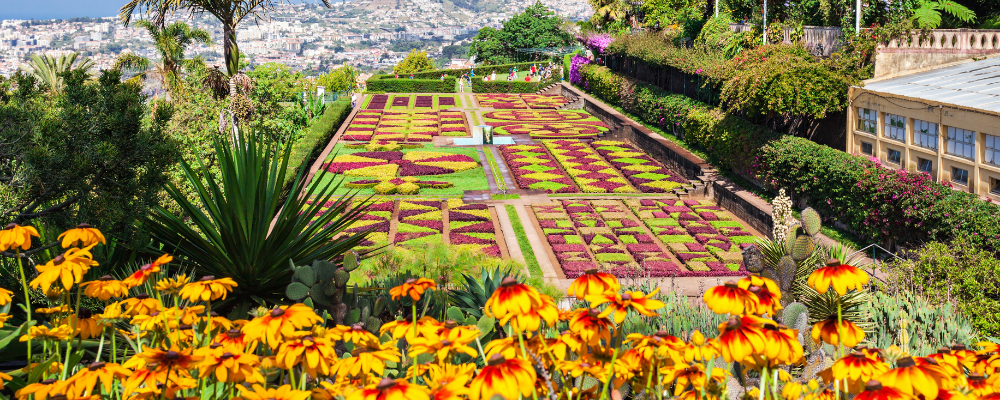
(547, 88)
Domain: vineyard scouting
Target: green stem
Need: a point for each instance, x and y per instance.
(69, 343)
(27, 297)
(763, 383)
(611, 371)
(413, 305)
(100, 348)
(524, 353)
(481, 352)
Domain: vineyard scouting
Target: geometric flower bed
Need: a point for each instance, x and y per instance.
(543, 101)
(377, 102)
(405, 126)
(604, 233)
(420, 222)
(545, 124)
(510, 101)
(377, 215)
(699, 233)
(454, 170)
(534, 168)
(472, 225)
(412, 101)
(587, 168)
(646, 174)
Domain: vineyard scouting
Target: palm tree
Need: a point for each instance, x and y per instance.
(229, 12)
(171, 41)
(47, 68)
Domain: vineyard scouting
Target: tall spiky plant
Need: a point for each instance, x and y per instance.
(47, 68)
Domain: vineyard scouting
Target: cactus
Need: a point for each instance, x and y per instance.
(798, 244)
(790, 315)
(811, 222)
(325, 284)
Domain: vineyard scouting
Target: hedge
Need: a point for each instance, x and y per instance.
(498, 86)
(390, 84)
(481, 70)
(309, 146)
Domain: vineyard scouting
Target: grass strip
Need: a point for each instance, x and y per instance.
(505, 196)
(522, 241)
(495, 168)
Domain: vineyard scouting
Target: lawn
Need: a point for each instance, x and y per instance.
(426, 170)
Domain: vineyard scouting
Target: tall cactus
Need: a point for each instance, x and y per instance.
(324, 283)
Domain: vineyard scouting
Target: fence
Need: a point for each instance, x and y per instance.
(820, 40)
(947, 41)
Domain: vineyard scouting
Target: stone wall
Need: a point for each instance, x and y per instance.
(743, 205)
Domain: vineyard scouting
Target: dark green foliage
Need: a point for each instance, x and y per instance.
(536, 26)
(403, 84)
(471, 298)
(481, 70)
(93, 154)
(658, 50)
(499, 86)
(918, 325)
(244, 225)
(309, 146)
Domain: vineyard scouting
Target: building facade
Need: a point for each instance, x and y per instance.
(943, 121)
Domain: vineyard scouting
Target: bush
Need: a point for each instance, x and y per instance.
(957, 272)
(308, 147)
(480, 86)
(481, 70)
(390, 84)
(657, 50)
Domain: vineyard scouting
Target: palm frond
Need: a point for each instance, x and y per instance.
(956, 10)
(131, 62)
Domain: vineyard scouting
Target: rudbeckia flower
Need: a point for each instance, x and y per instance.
(67, 269)
(767, 292)
(400, 328)
(85, 380)
(390, 389)
(857, 368)
(659, 345)
(699, 349)
(85, 234)
(104, 288)
(591, 325)
(913, 379)
(230, 364)
(207, 289)
(979, 386)
(86, 326)
(172, 285)
(112, 314)
(875, 391)
(139, 276)
(841, 276)
(356, 334)
(531, 321)
(5, 296)
(3, 319)
(451, 375)
(593, 283)
(170, 359)
(512, 299)
(730, 299)
(579, 367)
(367, 360)
(412, 288)
(619, 304)
(314, 354)
(449, 343)
(828, 331)
(42, 390)
(741, 337)
(15, 236)
(284, 392)
(61, 332)
(781, 346)
(690, 376)
(508, 378)
(141, 304)
(282, 321)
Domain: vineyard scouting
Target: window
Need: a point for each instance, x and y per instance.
(995, 186)
(992, 155)
(925, 165)
(867, 148)
(961, 142)
(925, 134)
(895, 156)
(895, 127)
(867, 120)
(960, 176)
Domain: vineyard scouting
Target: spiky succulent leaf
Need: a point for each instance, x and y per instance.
(340, 278)
(804, 247)
(373, 324)
(353, 317)
(320, 298)
(455, 313)
(811, 221)
(793, 232)
(790, 315)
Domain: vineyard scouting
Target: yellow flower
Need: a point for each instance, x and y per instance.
(54, 368)
(412, 288)
(112, 314)
(858, 368)
(699, 349)
(86, 326)
(42, 390)
(3, 319)
(172, 285)
(690, 375)
(875, 391)
(85, 380)
(366, 360)
(848, 334)
(593, 283)
(63, 309)
(591, 326)
(578, 367)
(314, 354)
(83, 233)
(916, 379)
(105, 288)
(446, 343)
(67, 268)
(508, 378)
(207, 289)
(230, 364)
(766, 291)
(169, 359)
(141, 304)
(5, 296)
(742, 337)
(15, 236)
(730, 299)
(280, 322)
(513, 299)
(390, 389)
(619, 304)
(61, 332)
(139, 276)
(258, 392)
(841, 276)
(4, 377)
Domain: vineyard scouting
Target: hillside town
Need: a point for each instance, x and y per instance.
(305, 37)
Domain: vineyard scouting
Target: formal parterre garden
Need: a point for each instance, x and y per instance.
(546, 124)
(415, 169)
(601, 166)
(513, 101)
(405, 126)
(412, 101)
(674, 237)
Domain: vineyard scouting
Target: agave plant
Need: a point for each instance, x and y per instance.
(245, 225)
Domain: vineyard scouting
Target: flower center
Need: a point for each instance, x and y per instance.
(207, 278)
(172, 355)
(626, 297)
(446, 342)
(214, 346)
(858, 354)
(142, 296)
(84, 225)
(496, 359)
(95, 366)
(411, 281)
(10, 226)
(958, 347)
(730, 284)
(450, 324)
(277, 312)
(833, 262)
(590, 271)
(106, 278)
(385, 383)
(874, 385)
(47, 381)
(508, 281)
(233, 333)
(58, 260)
(227, 355)
(733, 323)
(905, 362)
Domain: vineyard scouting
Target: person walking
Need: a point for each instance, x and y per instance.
(461, 84)
(493, 76)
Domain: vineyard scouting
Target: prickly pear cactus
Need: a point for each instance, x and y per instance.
(325, 284)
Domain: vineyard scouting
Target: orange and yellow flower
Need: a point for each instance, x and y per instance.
(104, 288)
(593, 283)
(742, 337)
(841, 277)
(390, 389)
(106, 373)
(412, 288)
(207, 289)
(230, 364)
(284, 392)
(513, 299)
(84, 234)
(5, 296)
(847, 333)
(314, 354)
(508, 378)
(67, 269)
(139, 276)
(730, 299)
(766, 291)
(857, 369)
(141, 304)
(14, 236)
(591, 326)
(280, 322)
(172, 285)
(619, 304)
(875, 391)
(916, 379)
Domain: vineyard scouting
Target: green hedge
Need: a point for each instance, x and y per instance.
(481, 70)
(390, 84)
(498, 86)
(309, 146)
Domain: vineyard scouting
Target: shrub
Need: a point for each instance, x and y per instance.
(657, 50)
(389, 84)
(308, 147)
(498, 86)
(481, 70)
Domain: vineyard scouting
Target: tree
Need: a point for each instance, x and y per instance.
(342, 79)
(928, 14)
(93, 153)
(229, 12)
(48, 69)
(171, 41)
(416, 61)
(536, 26)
